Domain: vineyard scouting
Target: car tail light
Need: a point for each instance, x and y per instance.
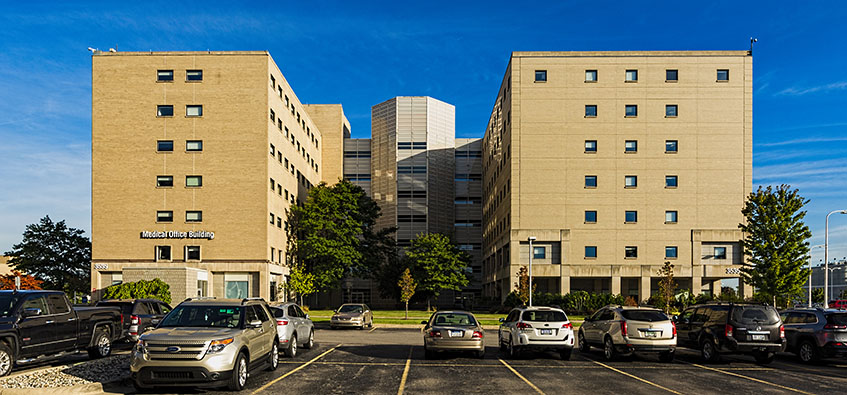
(567, 325)
(281, 322)
(523, 325)
(727, 330)
(674, 329)
(623, 328)
(831, 326)
(477, 335)
(434, 334)
(782, 331)
(133, 320)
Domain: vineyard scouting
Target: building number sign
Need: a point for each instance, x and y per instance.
(733, 270)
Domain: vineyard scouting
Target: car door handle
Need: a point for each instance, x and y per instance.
(71, 319)
(49, 322)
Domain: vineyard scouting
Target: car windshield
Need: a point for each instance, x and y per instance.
(453, 319)
(839, 319)
(755, 315)
(544, 316)
(644, 315)
(350, 309)
(7, 303)
(204, 316)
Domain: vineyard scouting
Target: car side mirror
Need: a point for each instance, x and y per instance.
(502, 320)
(335, 311)
(255, 324)
(675, 318)
(31, 312)
(423, 322)
(307, 316)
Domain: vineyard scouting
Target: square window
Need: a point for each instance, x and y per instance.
(631, 110)
(630, 181)
(194, 145)
(671, 252)
(631, 252)
(193, 181)
(590, 110)
(539, 252)
(272, 218)
(671, 75)
(723, 75)
(671, 146)
(273, 82)
(631, 217)
(194, 111)
(631, 75)
(165, 75)
(164, 181)
(671, 110)
(590, 216)
(279, 222)
(163, 253)
(193, 216)
(164, 111)
(540, 75)
(164, 216)
(720, 253)
(670, 217)
(591, 251)
(194, 75)
(165, 145)
(590, 75)
(631, 146)
(273, 184)
(591, 181)
(273, 150)
(273, 115)
(192, 253)
(590, 145)
(671, 181)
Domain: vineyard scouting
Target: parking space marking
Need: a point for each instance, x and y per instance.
(751, 379)
(637, 378)
(372, 329)
(538, 390)
(405, 373)
(276, 380)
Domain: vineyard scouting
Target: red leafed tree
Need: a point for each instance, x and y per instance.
(27, 282)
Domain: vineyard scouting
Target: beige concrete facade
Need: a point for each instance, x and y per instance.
(542, 143)
(259, 152)
(335, 127)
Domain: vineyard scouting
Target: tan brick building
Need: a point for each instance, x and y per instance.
(196, 157)
(617, 162)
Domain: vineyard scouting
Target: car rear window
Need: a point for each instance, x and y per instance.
(839, 319)
(277, 312)
(644, 315)
(454, 319)
(755, 315)
(544, 316)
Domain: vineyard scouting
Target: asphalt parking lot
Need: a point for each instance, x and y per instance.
(389, 361)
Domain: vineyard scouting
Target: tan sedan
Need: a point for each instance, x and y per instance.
(453, 331)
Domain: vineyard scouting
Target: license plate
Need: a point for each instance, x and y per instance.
(546, 331)
(760, 337)
(651, 334)
(457, 333)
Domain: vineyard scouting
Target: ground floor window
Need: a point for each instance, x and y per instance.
(237, 286)
(202, 288)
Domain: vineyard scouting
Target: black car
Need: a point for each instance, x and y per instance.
(139, 315)
(813, 334)
(725, 328)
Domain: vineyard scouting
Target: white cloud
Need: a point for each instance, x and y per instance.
(794, 91)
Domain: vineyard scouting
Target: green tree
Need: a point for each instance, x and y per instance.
(817, 295)
(56, 254)
(407, 286)
(301, 282)
(667, 285)
(437, 264)
(142, 289)
(775, 242)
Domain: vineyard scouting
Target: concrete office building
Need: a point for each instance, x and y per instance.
(196, 157)
(617, 162)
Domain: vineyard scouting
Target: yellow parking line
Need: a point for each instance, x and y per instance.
(372, 329)
(522, 377)
(264, 387)
(751, 379)
(405, 373)
(637, 378)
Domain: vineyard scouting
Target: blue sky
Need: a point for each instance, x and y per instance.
(361, 53)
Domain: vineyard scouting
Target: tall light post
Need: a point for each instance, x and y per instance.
(810, 272)
(831, 285)
(531, 253)
(826, 257)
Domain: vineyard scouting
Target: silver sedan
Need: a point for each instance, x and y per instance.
(453, 331)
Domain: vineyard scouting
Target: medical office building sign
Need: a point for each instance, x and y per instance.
(175, 234)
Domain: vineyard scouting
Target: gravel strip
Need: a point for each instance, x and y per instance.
(97, 371)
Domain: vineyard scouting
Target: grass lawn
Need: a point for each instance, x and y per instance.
(416, 316)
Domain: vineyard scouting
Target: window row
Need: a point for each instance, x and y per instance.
(168, 181)
(467, 223)
(631, 216)
(411, 218)
(631, 111)
(191, 110)
(631, 182)
(411, 169)
(357, 177)
(168, 75)
(469, 154)
(277, 187)
(301, 121)
(168, 145)
(671, 252)
(407, 194)
(168, 216)
(357, 154)
(163, 253)
(468, 177)
(404, 145)
(631, 75)
(467, 200)
(280, 223)
(631, 146)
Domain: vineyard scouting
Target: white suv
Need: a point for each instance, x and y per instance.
(536, 328)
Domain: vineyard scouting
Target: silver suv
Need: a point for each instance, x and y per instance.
(538, 328)
(623, 330)
(207, 342)
(293, 327)
(815, 333)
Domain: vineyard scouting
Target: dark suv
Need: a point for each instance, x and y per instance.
(813, 334)
(139, 315)
(721, 328)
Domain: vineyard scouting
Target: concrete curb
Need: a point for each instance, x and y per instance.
(90, 388)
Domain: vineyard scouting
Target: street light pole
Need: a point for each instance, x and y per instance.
(810, 273)
(826, 257)
(531, 252)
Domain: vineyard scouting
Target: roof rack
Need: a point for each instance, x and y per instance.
(199, 298)
(245, 300)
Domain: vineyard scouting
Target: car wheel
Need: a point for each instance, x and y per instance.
(609, 351)
(502, 344)
(273, 361)
(764, 357)
(292, 347)
(583, 344)
(807, 352)
(138, 386)
(371, 323)
(311, 342)
(666, 356)
(514, 351)
(708, 351)
(239, 373)
(7, 359)
(101, 346)
(565, 354)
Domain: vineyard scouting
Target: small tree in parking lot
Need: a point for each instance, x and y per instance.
(522, 286)
(301, 282)
(667, 285)
(407, 286)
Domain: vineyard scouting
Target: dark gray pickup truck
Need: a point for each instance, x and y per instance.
(36, 325)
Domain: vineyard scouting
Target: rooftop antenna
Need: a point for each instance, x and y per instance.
(752, 40)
